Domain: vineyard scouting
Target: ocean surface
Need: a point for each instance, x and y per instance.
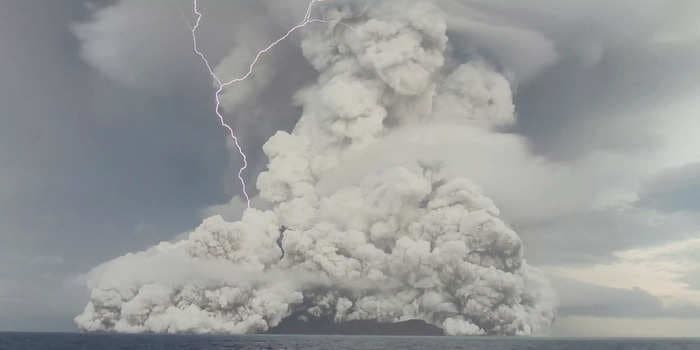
(65, 341)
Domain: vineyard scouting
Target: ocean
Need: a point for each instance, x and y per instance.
(70, 341)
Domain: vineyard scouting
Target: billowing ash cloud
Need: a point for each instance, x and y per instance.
(404, 242)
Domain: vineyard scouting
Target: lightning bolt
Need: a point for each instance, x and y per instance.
(221, 84)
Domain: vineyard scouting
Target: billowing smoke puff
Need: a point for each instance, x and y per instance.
(402, 243)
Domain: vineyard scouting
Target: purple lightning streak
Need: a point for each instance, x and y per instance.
(221, 85)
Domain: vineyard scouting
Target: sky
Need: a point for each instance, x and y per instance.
(109, 144)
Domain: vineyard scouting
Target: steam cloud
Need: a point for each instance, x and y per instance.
(405, 242)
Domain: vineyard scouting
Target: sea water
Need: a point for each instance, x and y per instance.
(66, 341)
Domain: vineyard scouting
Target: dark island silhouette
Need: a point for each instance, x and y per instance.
(327, 326)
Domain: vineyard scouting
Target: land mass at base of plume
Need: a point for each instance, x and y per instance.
(358, 327)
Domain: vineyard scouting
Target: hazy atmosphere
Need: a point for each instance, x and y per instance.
(486, 166)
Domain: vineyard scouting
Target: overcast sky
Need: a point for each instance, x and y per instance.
(109, 144)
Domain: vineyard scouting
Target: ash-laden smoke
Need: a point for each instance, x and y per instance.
(401, 243)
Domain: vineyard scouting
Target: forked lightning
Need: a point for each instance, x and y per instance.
(221, 84)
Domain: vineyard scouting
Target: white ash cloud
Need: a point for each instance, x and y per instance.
(404, 241)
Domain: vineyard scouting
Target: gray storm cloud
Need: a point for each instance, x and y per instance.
(402, 242)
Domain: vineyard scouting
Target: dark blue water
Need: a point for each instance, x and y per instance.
(65, 341)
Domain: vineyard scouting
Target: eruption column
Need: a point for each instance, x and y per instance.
(361, 225)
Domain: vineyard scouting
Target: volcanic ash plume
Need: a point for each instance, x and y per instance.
(401, 243)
